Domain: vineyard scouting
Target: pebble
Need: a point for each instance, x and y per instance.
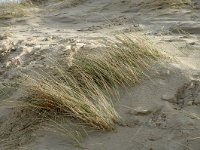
(154, 137)
(168, 97)
(140, 111)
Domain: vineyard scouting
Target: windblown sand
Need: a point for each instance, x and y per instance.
(162, 113)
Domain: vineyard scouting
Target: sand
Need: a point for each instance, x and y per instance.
(162, 113)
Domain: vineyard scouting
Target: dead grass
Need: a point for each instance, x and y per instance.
(16, 10)
(123, 63)
(65, 94)
(8, 11)
(82, 89)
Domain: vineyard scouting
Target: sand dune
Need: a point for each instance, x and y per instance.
(162, 113)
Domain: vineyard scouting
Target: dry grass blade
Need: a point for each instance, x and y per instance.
(123, 63)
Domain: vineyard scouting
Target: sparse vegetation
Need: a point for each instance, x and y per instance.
(123, 63)
(79, 89)
(82, 89)
(15, 10)
(12, 10)
(65, 94)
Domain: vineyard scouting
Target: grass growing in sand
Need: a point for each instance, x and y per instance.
(65, 94)
(122, 63)
(81, 88)
(25, 8)
(13, 10)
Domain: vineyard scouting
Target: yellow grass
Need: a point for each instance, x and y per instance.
(123, 63)
(16, 10)
(81, 90)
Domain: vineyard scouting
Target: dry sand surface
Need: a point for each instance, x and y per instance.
(162, 113)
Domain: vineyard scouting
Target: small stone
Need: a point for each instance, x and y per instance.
(140, 111)
(168, 97)
(154, 137)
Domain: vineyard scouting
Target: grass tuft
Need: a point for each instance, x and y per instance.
(123, 63)
(65, 95)
(82, 89)
(9, 10)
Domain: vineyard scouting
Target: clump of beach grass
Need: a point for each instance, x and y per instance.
(9, 10)
(13, 10)
(83, 87)
(64, 94)
(123, 63)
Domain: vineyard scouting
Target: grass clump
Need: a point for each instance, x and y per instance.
(65, 95)
(12, 10)
(122, 63)
(81, 88)
(9, 10)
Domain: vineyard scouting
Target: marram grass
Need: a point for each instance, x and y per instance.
(82, 90)
(12, 10)
(123, 63)
(88, 105)
(9, 10)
